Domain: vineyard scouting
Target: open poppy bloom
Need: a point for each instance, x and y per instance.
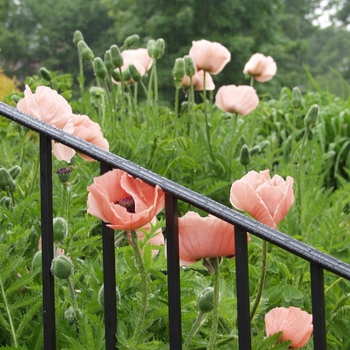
(262, 68)
(295, 324)
(124, 202)
(204, 237)
(267, 200)
(241, 99)
(198, 81)
(209, 56)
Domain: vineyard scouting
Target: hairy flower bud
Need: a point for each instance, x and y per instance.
(108, 61)
(150, 47)
(70, 315)
(6, 181)
(189, 66)
(158, 50)
(244, 156)
(135, 74)
(60, 229)
(131, 40)
(45, 73)
(37, 260)
(117, 58)
(14, 171)
(311, 116)
(296, 98)
(85, 51)
(100, 68)
(179, 69)
(78, 36)
(205, 300)
(100, 296)
(61, 267)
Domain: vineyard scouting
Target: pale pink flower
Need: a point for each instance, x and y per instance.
(262, 68)
(209, 56)
(124, 202)
(295, 324)
(204, 237)
(265, 199)
(89, 131)
(198, 81)
(241, 99)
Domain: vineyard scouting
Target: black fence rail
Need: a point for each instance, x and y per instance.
(318, 261)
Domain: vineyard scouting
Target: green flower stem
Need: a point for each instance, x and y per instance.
(65, 201)
(215, 313)
(122, 98)
(72, 294)
(206, 116)
(81, 79)
(261, 280)
(34, 174)
(144, 288)
(177, 90)
(251, 80)
(194, 329)
(9, 315)
(234, 121)
(136, 117)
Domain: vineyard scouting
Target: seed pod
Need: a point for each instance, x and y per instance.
(179, 69)
(189, 66)
(60, 229)
(6, 181)
(14, 171)
(64, 174)
(85, 51)
(205, 300)
(244, 156)
(77, 37)
(117, 58)
(61, 267)
(131, 40)
(100, 68)
(45, 73)
(134, 73)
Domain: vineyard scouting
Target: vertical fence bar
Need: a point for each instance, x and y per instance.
(174, 296)
(242, 289)
(318, 306)
(110, 303)
(47, 243)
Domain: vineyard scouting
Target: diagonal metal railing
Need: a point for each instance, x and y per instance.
(318, 260)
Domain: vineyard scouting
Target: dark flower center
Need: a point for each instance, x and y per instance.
(128, 203)
(64, 171)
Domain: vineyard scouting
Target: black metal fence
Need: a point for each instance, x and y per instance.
(174, 192)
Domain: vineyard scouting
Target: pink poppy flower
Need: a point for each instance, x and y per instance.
(47, 105)
(198, 81)
(209, 56)
(262, 68)
(295, 324)
(157, 239)
(204, 237)
(124, 202)
(241, 99)
(267, 200)
(139, 58)
(89, 131)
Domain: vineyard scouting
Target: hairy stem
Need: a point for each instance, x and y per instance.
(194, 329)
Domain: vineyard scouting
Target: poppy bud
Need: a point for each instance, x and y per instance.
(190, 68)
(85, 51)
(70, 315)
(131, 40)
(15, 98)
(108, 61)
(256, 149)
(179, 69)
(158, 50)
(244, 156)
(60, 229)
(100, 68)
(126, 74)
(100, 296)
(61, 267)
(117, 58)
(296, 98)
(311, 116)
(78, 36)
(97, 91)
(263, 145)
(205, 300)
(6, 181)
(6, 201)
(116, 76)
(14, 171)
(37, 260)
(150, 47)
(45, 73)
(135, 74)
